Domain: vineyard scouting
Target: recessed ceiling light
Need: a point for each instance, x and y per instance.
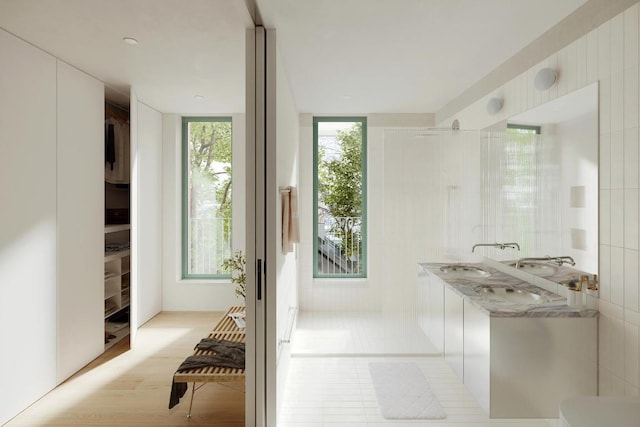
(130, 40)
(198, 96)
(346, 97)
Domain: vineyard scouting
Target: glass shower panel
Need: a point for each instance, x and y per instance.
(408, 196)
(430, 211)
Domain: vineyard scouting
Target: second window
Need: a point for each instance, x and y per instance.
(340, 216)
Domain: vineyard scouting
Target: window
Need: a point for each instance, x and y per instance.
(206, 196)
(339, 196)
(513, 128)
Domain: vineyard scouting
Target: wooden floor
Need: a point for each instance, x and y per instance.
(131, 387)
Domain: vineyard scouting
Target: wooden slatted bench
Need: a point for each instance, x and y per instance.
(226, 323)
(225, 329)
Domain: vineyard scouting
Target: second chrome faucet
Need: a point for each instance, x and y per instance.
(553, 259)
(502, 246)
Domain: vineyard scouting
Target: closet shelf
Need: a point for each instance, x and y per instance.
(122, 333)
(110, 256)
(115, 310)
(108, 293)
(113, 228)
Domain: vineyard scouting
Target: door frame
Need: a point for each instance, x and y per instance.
(261, 240)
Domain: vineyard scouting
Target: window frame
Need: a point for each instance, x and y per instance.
(537, 129)
(364, 264)
(185, 196)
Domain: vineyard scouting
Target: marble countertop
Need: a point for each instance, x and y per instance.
(563, 275)
(470, 289)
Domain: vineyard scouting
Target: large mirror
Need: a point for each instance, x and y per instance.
(540, 179)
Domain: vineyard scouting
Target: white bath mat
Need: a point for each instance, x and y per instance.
(403, 392)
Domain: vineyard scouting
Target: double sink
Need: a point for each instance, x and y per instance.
(500, 292)
(510, 295)
(471, 271)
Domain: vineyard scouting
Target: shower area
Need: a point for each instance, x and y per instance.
(431, 195)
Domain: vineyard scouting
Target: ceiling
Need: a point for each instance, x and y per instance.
(349, 56)
(186, 48)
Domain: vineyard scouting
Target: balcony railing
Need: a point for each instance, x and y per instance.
(209, 244)
(340, 246)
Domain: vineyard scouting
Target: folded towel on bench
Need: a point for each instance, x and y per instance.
(229, 355)
(177, 391)
(221, 346)
(216, 360)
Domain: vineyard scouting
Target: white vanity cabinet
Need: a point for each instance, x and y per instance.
(453, 331)
(477, 355)
(517, 360)
(523, 367)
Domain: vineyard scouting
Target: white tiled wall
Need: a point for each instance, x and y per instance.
(608, 54)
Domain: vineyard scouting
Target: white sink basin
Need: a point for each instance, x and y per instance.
(536, 268)
(462, 270)
(512, 296)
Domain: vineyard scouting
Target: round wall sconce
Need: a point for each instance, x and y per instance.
(545, 78)
(494, 105)
(130, 40)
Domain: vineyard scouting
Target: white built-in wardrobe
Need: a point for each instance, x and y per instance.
(52, 229)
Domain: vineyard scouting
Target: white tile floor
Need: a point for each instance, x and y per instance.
(338, 391)
(358, 333)
(329, 384)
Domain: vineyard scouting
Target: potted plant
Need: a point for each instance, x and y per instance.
(235, 265)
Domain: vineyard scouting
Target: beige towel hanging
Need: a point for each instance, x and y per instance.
(294, 223)
(290, 222)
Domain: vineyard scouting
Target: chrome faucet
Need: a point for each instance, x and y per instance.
(563, 260)
(501, 246)
(559, 260)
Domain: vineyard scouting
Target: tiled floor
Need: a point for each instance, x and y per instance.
(329, 384)
(338, 391)
(358, 333)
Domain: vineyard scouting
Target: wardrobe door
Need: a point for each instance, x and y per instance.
(28, 227)
(146, 209)
(80, 190)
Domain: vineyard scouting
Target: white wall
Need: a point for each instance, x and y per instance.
(147, 211)
(287, 134)
(185, 295)
(28, 231)
(80, 215)
(608, 54)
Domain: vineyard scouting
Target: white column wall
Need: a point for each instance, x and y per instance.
(80, 219)
(185, 295)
